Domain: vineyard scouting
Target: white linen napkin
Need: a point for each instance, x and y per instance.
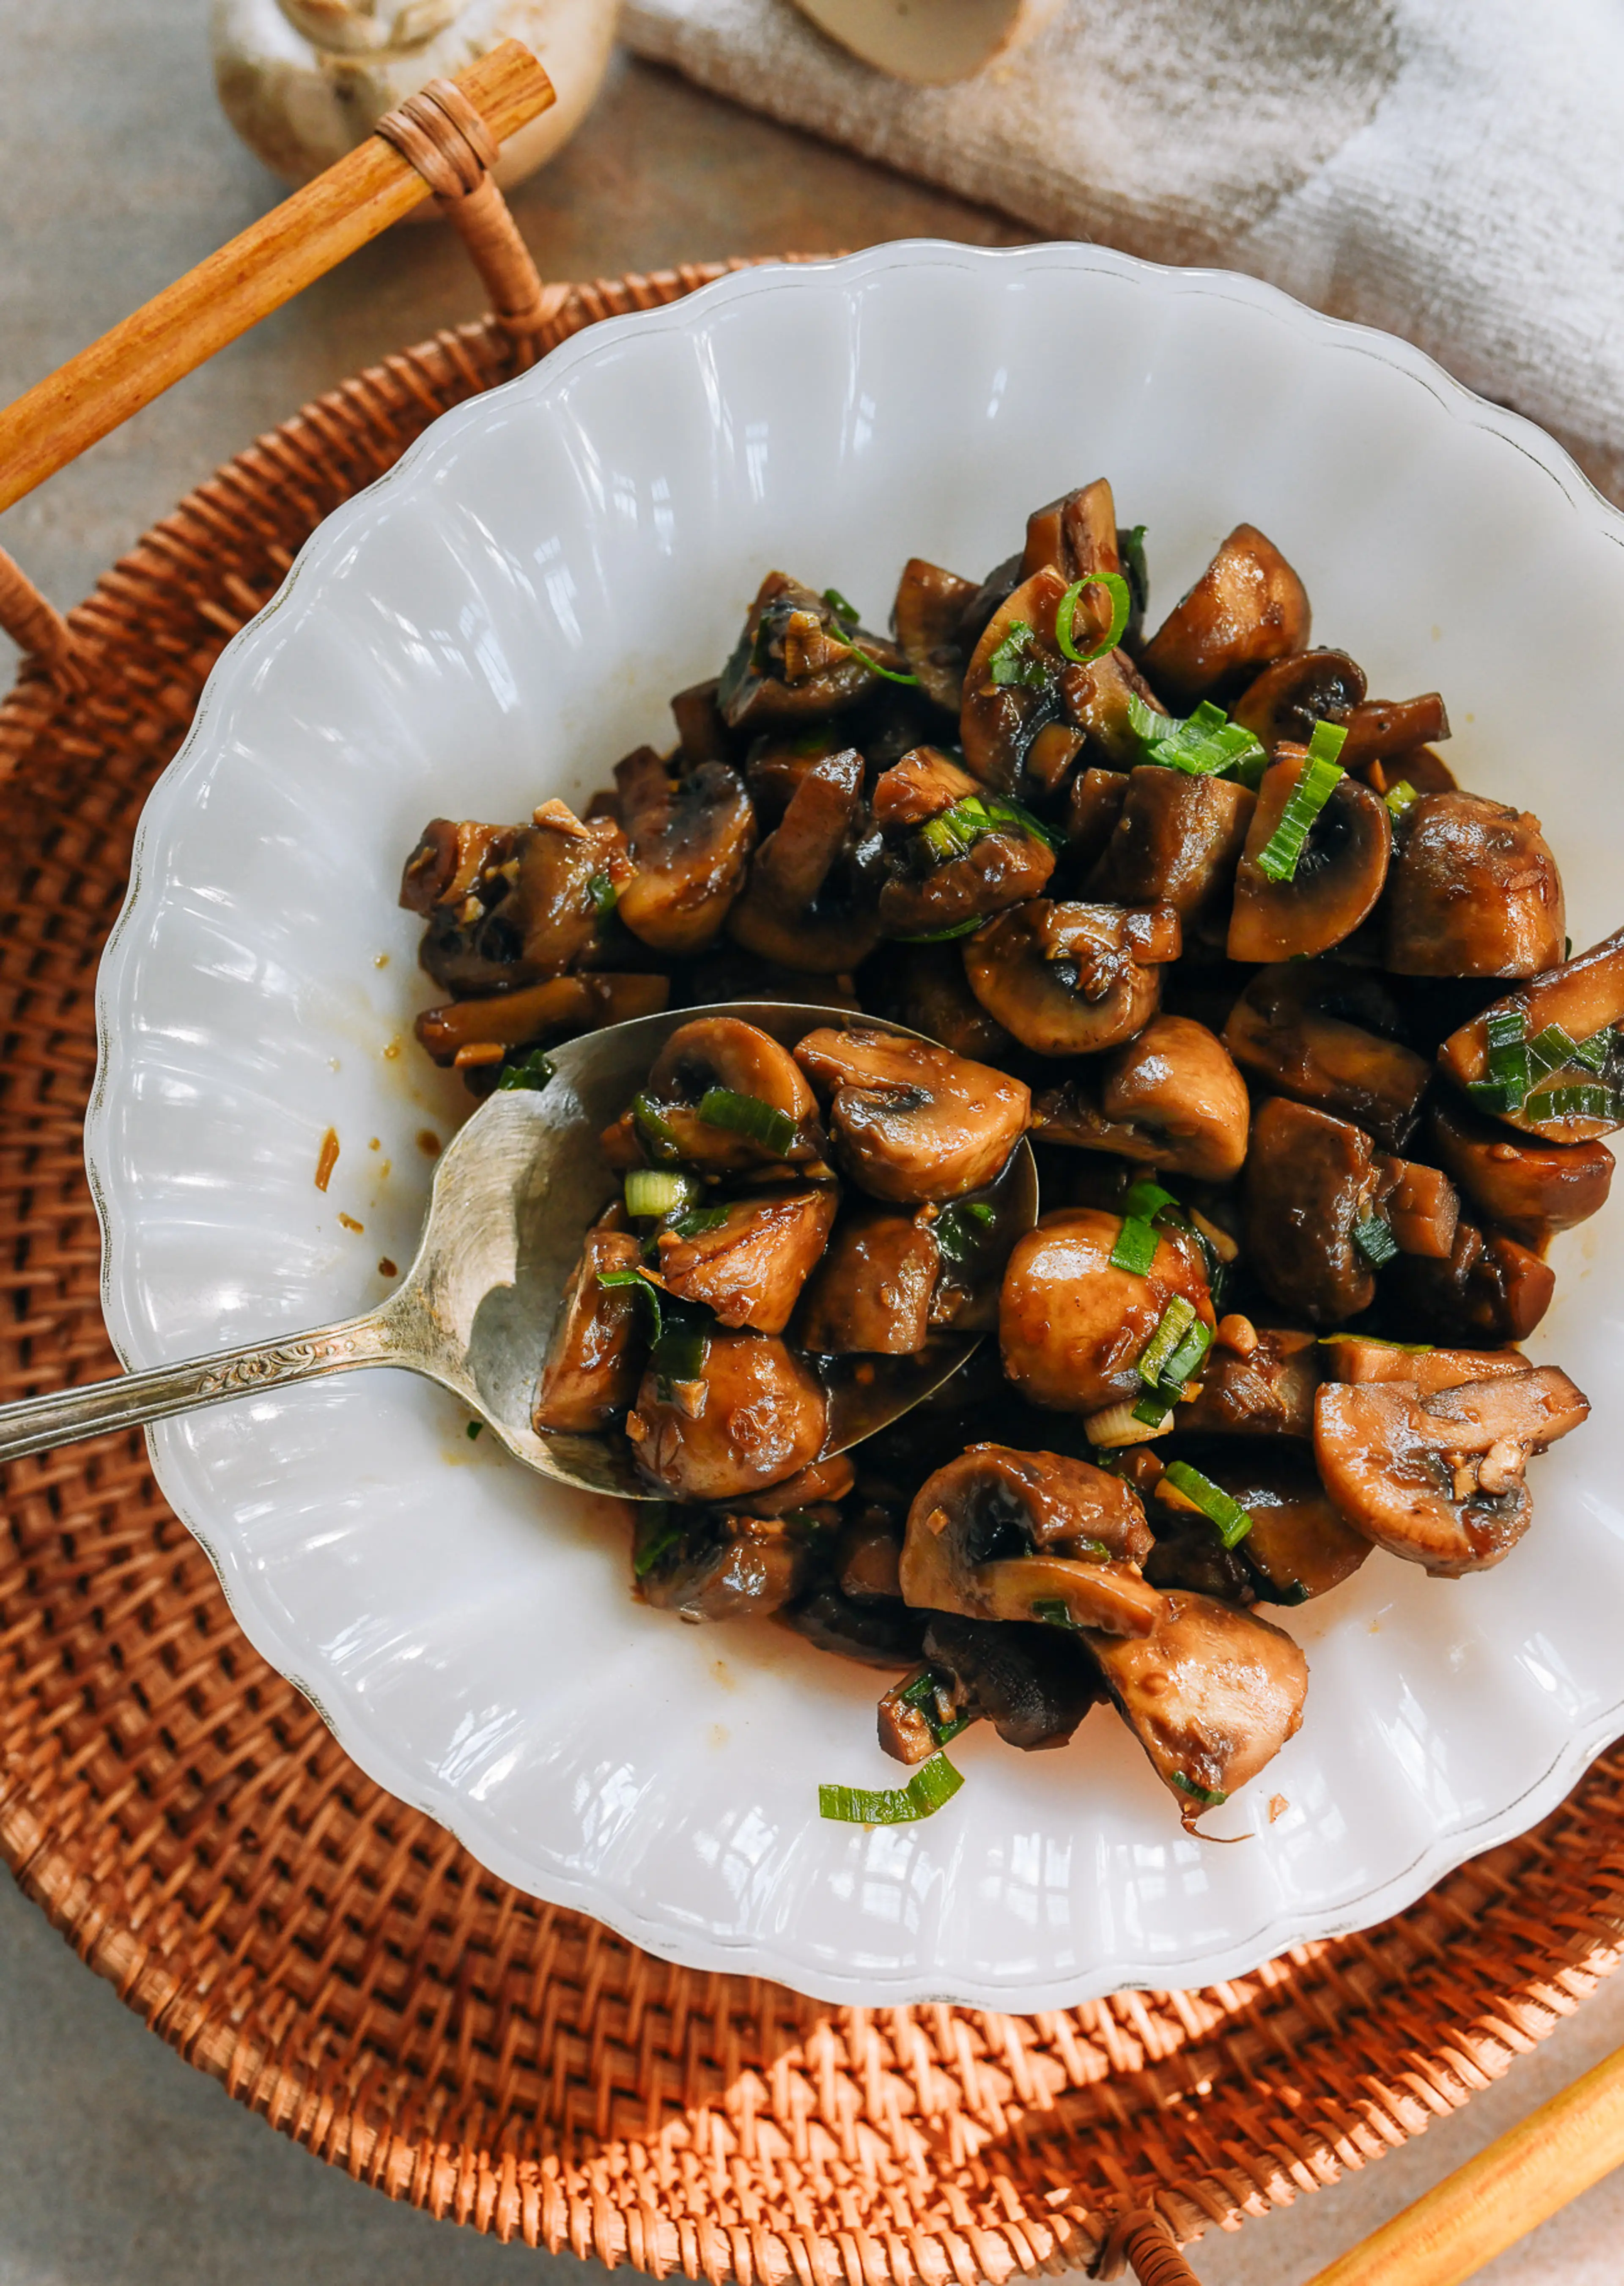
(1452, 171)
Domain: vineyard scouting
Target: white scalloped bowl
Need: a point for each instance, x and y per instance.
(498, 619)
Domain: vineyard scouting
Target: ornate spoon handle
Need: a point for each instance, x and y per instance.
(35, 1424)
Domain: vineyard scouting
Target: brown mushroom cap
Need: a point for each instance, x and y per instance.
(1297, 1547)
(998, 722)
(596, 1354)
(1006, 862)
(910, 1121)
(1177, 841)
(1072, 1329)
(872, 1290)
(1033, 1683)
(1490, 1289)
(1171, 1099)
(1281, 1033)
(727, 1567)
(1211, 1696)
(1531, 1188)
(1074, 534)
(690, 843)
(1340, 875)
(1068, 994)
(757, 1416)
(1246, 608)
(1474, 892)
(1283, 704)
(928, 616)
(1309, 1181)
(811, 901)
(449, 858)
(1439, 1479)
(750, 1267)
(1267, 1392)
(724, 1051)
(1585, 997)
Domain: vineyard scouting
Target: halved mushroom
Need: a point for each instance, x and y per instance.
(1489, 1290)
(1074, 534)
(778, 760)
(928, 616)
(539, 1013)
(927, 989)
(810, 898)
(1069, 979)
(750, 1267)
(718, 1566)
(1283, 1032)
(1583, 999)
(1282, 705)
(1297, 1547)
(453, 856)
(1531, 1188)
(999, 1535)
(873, 1633)
(794, 659)
(1421, 1206)
(1311, 1182)
(1246, 608)
(1071, 1328)
(1339, 877)
(1439, 1479)
(1093, 803)
(1267, 1390)
(1014, 688)
(741, 1063)
(1212, 1695)
(1034, 1684)
(1475, 891)
(1363, 1358)
(953, 852)
(910, 1121)
(1177, 841)
(754, 1415)
(1107, 700)
(1172, 1098)
(702, 733)
(689, 841)
(872, 1290)
(595, 1358)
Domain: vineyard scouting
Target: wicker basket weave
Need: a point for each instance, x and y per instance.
(341, 1964)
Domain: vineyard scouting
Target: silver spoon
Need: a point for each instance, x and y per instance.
(512, 1198)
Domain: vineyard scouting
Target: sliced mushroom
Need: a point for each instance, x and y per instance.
(1013, 686)
(1069, 979)
(1585, 998)
(690, 841)
(928, 616)
(1489, 1290)
(1439, 1479)
(910, 1121)
(873, 1289)
(1282, 1032)
(997, 1532)
(875, 1634)
(1283, 704)
(1071, 1329)
(756, 1415)
(1211, 1696)
(750, 1267)
(718, 1566)
(1034, 1684)
(1339, 877)
(810, 900)
(539, 1013)
(1422, 1207)
(1266, 1392)
(1248, 609)
(1363, 1358)
(929, 992)
(595, 1355)
(1310, 1181)
(923, 783)
(1531, 1188)
(794, 660)
(1475, 892)
(951, 855)
(1177, 841)
(1171, 1099)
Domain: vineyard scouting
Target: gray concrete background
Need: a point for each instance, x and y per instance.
(119, 2165)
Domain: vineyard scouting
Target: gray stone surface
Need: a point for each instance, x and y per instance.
(120, 2165)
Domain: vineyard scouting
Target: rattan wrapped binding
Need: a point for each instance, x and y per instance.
(341, 1965)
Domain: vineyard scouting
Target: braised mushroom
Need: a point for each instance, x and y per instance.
(1570, 1016)
(595, 1358)
(1297, 1546)
(1212, 1695)
(1282, 704)
(1475, 891)
(1421, 1206)
(928, 616)
(810, 899)
(926, 989)
(1438, 1478)
(872, 1290)
(1490, 1289)
(1093, 803)
(1075, 534)
(1246, 608)
(690, 841)
(1069, 979)
(795, 660)
(998, 1534)
(1392, 730)
(1172, 1098)
(760, 1107)
(1072, 1329)
(701, 733)
(1014, 688)
(952, 853)
(748, 1262)
(507, 907)
(1177, 841)
(1284, 1032)
(537, 1013)
(874, 1633)
(910, 1121)
(712, 1566)
(1363, 1357)
(752, 1416)
(1033, 1683)
(1336, 879)
(1530, 1188)
(1310, 1183)
(869, 1555)
(1266, 1388)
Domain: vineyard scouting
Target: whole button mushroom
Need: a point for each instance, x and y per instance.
(1246, 608)
(754, 1415)
(1071, 1328)
(1475, 892)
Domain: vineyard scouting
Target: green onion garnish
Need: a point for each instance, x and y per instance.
(951, 1234)
(1203, 1794)
(657, 1191)
(1130, 548)
(604, 893)
(846, 615)
(1227, 1516)
(838, 606)
(1320, 777)
(680, 1348)
(665, 1532)
(532, 1069)
(1593, 1053)
(928, 1693)
(474, 1427)
(1550, 1050)
(699, 1220)
(747, 1115)
(946, 935)
(1121, 611)
(1176, 1321)
(610, 1278)
(657, 1139)
(1017, 661)
(1205, 744)
(1135, 1247)
(1508, 1065)
(1053, 1613)
(933, 1783)
(886, 674)
(1152, 1410)
(1375, 1239)
(1186, 1360)
(1570, 1103)
(1401, 798)
(1145, 1198)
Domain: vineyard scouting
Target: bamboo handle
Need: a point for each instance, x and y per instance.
(231, 290)
(1531, 2172)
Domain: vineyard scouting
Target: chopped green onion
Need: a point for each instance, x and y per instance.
(947, 935)
(1552, 1048)
(1320, 777)
(933, 1783)
(951, 1236)
(656, 1137)
(474, 1427)
(680, 1348)
(604, 893)
(1176, 1321)
(1121, 611)
(1016, 661)
(1379, 1342)
(1130, 548)
(1401, 799)
(1492, 1095)
(886, 674)
(1209, 742)
(1136, 1246)
(1375, 1239)
(1570, 1103)
(1152, 1410)
(1593, 1053)
(1186, 1360)
(665, 1533)
(1326, 741)
(1203, 1794)
(1144, 1200)
(1004, 812)
(610, 1278)
(532, 1069)
(1227, 1516)
(846, 615)
(657, 1191)
(838, 606)
(1053, 1613)
(747, 1115)
(955, 830)
(927, 1693)
(699, 1220)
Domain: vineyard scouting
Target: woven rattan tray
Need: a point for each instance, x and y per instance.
(340, 1962)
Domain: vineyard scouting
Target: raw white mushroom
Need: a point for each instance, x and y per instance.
(303, 80)
(931, 42)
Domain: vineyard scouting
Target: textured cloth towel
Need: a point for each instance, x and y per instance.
(1452, 171)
